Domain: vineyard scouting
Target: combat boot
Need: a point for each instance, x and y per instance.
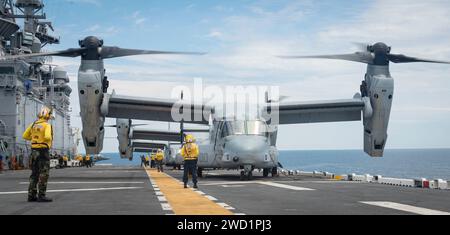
(195, 186)
(32, 199)
(44, 199)
(185, 186)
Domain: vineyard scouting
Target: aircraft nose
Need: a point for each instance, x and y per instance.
(240, 146)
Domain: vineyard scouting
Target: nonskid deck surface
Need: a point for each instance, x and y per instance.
(133, 190)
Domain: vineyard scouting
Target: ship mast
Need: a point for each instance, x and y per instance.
(29, 83)
(8, 26)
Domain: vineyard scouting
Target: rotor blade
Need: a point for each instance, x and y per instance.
(406, 59)
(361, 46)
(280, 99)
(283, 98)
(135, 125)
(111, 126)
(73, 52)
(366, 58)
(114, 52)
(195, 131)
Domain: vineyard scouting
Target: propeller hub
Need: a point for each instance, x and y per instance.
(381, 51)
(92, 46)
(380, 48)
(91, 42)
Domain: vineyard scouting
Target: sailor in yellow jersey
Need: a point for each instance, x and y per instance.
(159, 160)
(190, 153)
(66, 160)
(88, 161)
(40, 134)
(153, 160)
(147, 161)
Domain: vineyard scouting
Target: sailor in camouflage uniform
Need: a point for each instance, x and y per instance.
(40, 134)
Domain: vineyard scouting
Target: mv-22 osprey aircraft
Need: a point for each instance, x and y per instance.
(239, 144)
(250, 144)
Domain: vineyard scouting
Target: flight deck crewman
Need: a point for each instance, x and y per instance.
(88, 161)
(66, 160)
(159, 160)
(147, 161)
(40, 134)
(153, 160)
(190, 153)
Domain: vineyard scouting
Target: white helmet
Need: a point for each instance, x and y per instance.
(45, 113)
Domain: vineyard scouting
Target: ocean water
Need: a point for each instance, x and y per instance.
(411, 163)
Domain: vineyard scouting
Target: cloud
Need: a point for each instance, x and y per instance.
(92, 2)
(93, 28)
(102, 31)
(215, 34)
(247, 41)
(417, 26)
(138, 19)
(111, 30)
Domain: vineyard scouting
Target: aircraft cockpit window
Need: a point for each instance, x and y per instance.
(244, 128)
(256, 128)
(236, 128)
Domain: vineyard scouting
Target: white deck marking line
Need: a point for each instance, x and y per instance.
(226, 206)
(229, 183)
(74, 190)
(166, 207)
(321, 182)
(239, 214)
(160, 195)
(211, 198)
(233, 186)
(162, 199)
(286, 186)
(220, 183)
(103, 172)
(200, 192)
(88, 182)
(406, 208)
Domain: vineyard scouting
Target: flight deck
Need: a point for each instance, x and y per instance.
(109, 190)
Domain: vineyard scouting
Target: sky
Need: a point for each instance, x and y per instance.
(242, 39)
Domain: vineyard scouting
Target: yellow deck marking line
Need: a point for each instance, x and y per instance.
(184, 201)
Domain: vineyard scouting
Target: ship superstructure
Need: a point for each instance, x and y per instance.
(28, 84)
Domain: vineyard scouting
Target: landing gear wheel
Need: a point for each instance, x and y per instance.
(242, 176)
(274, 172)
(249, 176)
(266, 172)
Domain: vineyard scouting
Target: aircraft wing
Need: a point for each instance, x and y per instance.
(149, 109)
(141, 134)
(143, 150)
(143, 145)
(316, 112)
